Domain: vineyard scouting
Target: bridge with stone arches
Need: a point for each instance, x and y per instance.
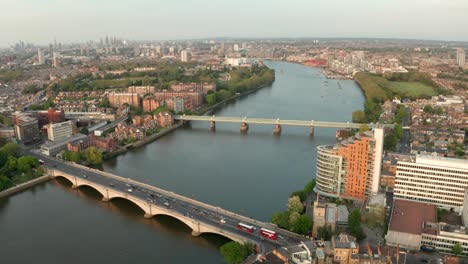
(201, 218)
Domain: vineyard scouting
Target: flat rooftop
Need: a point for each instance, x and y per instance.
(442, 162)
(409, 216)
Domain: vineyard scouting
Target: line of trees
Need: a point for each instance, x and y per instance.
(293, 219)
(91, 156)
(242, 80)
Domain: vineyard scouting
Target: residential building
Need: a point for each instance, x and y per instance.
(406, 223)
(141, 90)
(26, 128)
(460, 57)
(103, 143)
(119, 99)
(344, 247)
(435, 180)
(193, 98)
(150, 103)
(199, 87)
(176, 104)
(164, 119)
(59, 131)
(351, 168)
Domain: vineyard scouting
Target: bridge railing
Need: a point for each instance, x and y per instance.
(189, 200)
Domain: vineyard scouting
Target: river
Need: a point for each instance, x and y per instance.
(252, 174)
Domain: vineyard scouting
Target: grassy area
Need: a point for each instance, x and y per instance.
(372, 85)
(412, 89)
(412, 86)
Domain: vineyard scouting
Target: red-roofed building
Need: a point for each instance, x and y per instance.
(407, 222)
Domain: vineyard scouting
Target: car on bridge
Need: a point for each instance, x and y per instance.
(129, 190)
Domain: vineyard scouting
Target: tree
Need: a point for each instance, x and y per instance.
(359, 116)
(234, 252)
(93, 156)
(281, 219)
(11, 149)
(302, 225)
(211, 99)
(26, 163)
(439, 110)
(354, 224)
(457, 249)
(400, 114)
(5, 183)
(301, 194)
(31, 89)
(293, 218)
(363, 128)
(295, 205)
(390, 141)
(324, 232)
(84, 130)
(310, 186)
(105, 103)
(398, 131)
(428, 109)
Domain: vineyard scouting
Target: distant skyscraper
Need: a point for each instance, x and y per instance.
(460, 57)
(184, 56)
(55, 59)
(40, 57)
(236, 47)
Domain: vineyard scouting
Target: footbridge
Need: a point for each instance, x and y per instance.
(277, 123)
(201, 218)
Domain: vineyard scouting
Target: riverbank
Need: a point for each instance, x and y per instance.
(230, 99)
(142, 142)
(24, 186)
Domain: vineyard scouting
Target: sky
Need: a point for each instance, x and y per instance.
(40, 21)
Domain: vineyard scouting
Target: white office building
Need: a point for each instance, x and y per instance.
(59, 131)
(433, 180)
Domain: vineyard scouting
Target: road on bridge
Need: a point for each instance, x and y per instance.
(213, 216)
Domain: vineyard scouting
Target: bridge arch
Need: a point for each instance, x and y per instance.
(130, 199)
(228, 236)
(183, 220)
(97, 189)
(64, 177)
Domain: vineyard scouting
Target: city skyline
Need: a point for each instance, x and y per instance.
(43, 21)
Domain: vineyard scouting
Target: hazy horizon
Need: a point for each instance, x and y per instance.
(40, 21)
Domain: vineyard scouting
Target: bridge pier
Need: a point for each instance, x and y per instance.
(212, 125)
(244, 127)
(148, 216)
(105, 199)
(195, 233)
(74, 186)
(277, 130)
(312, 131)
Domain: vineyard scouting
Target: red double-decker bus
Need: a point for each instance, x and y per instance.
(268, 234)
(245, 227)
